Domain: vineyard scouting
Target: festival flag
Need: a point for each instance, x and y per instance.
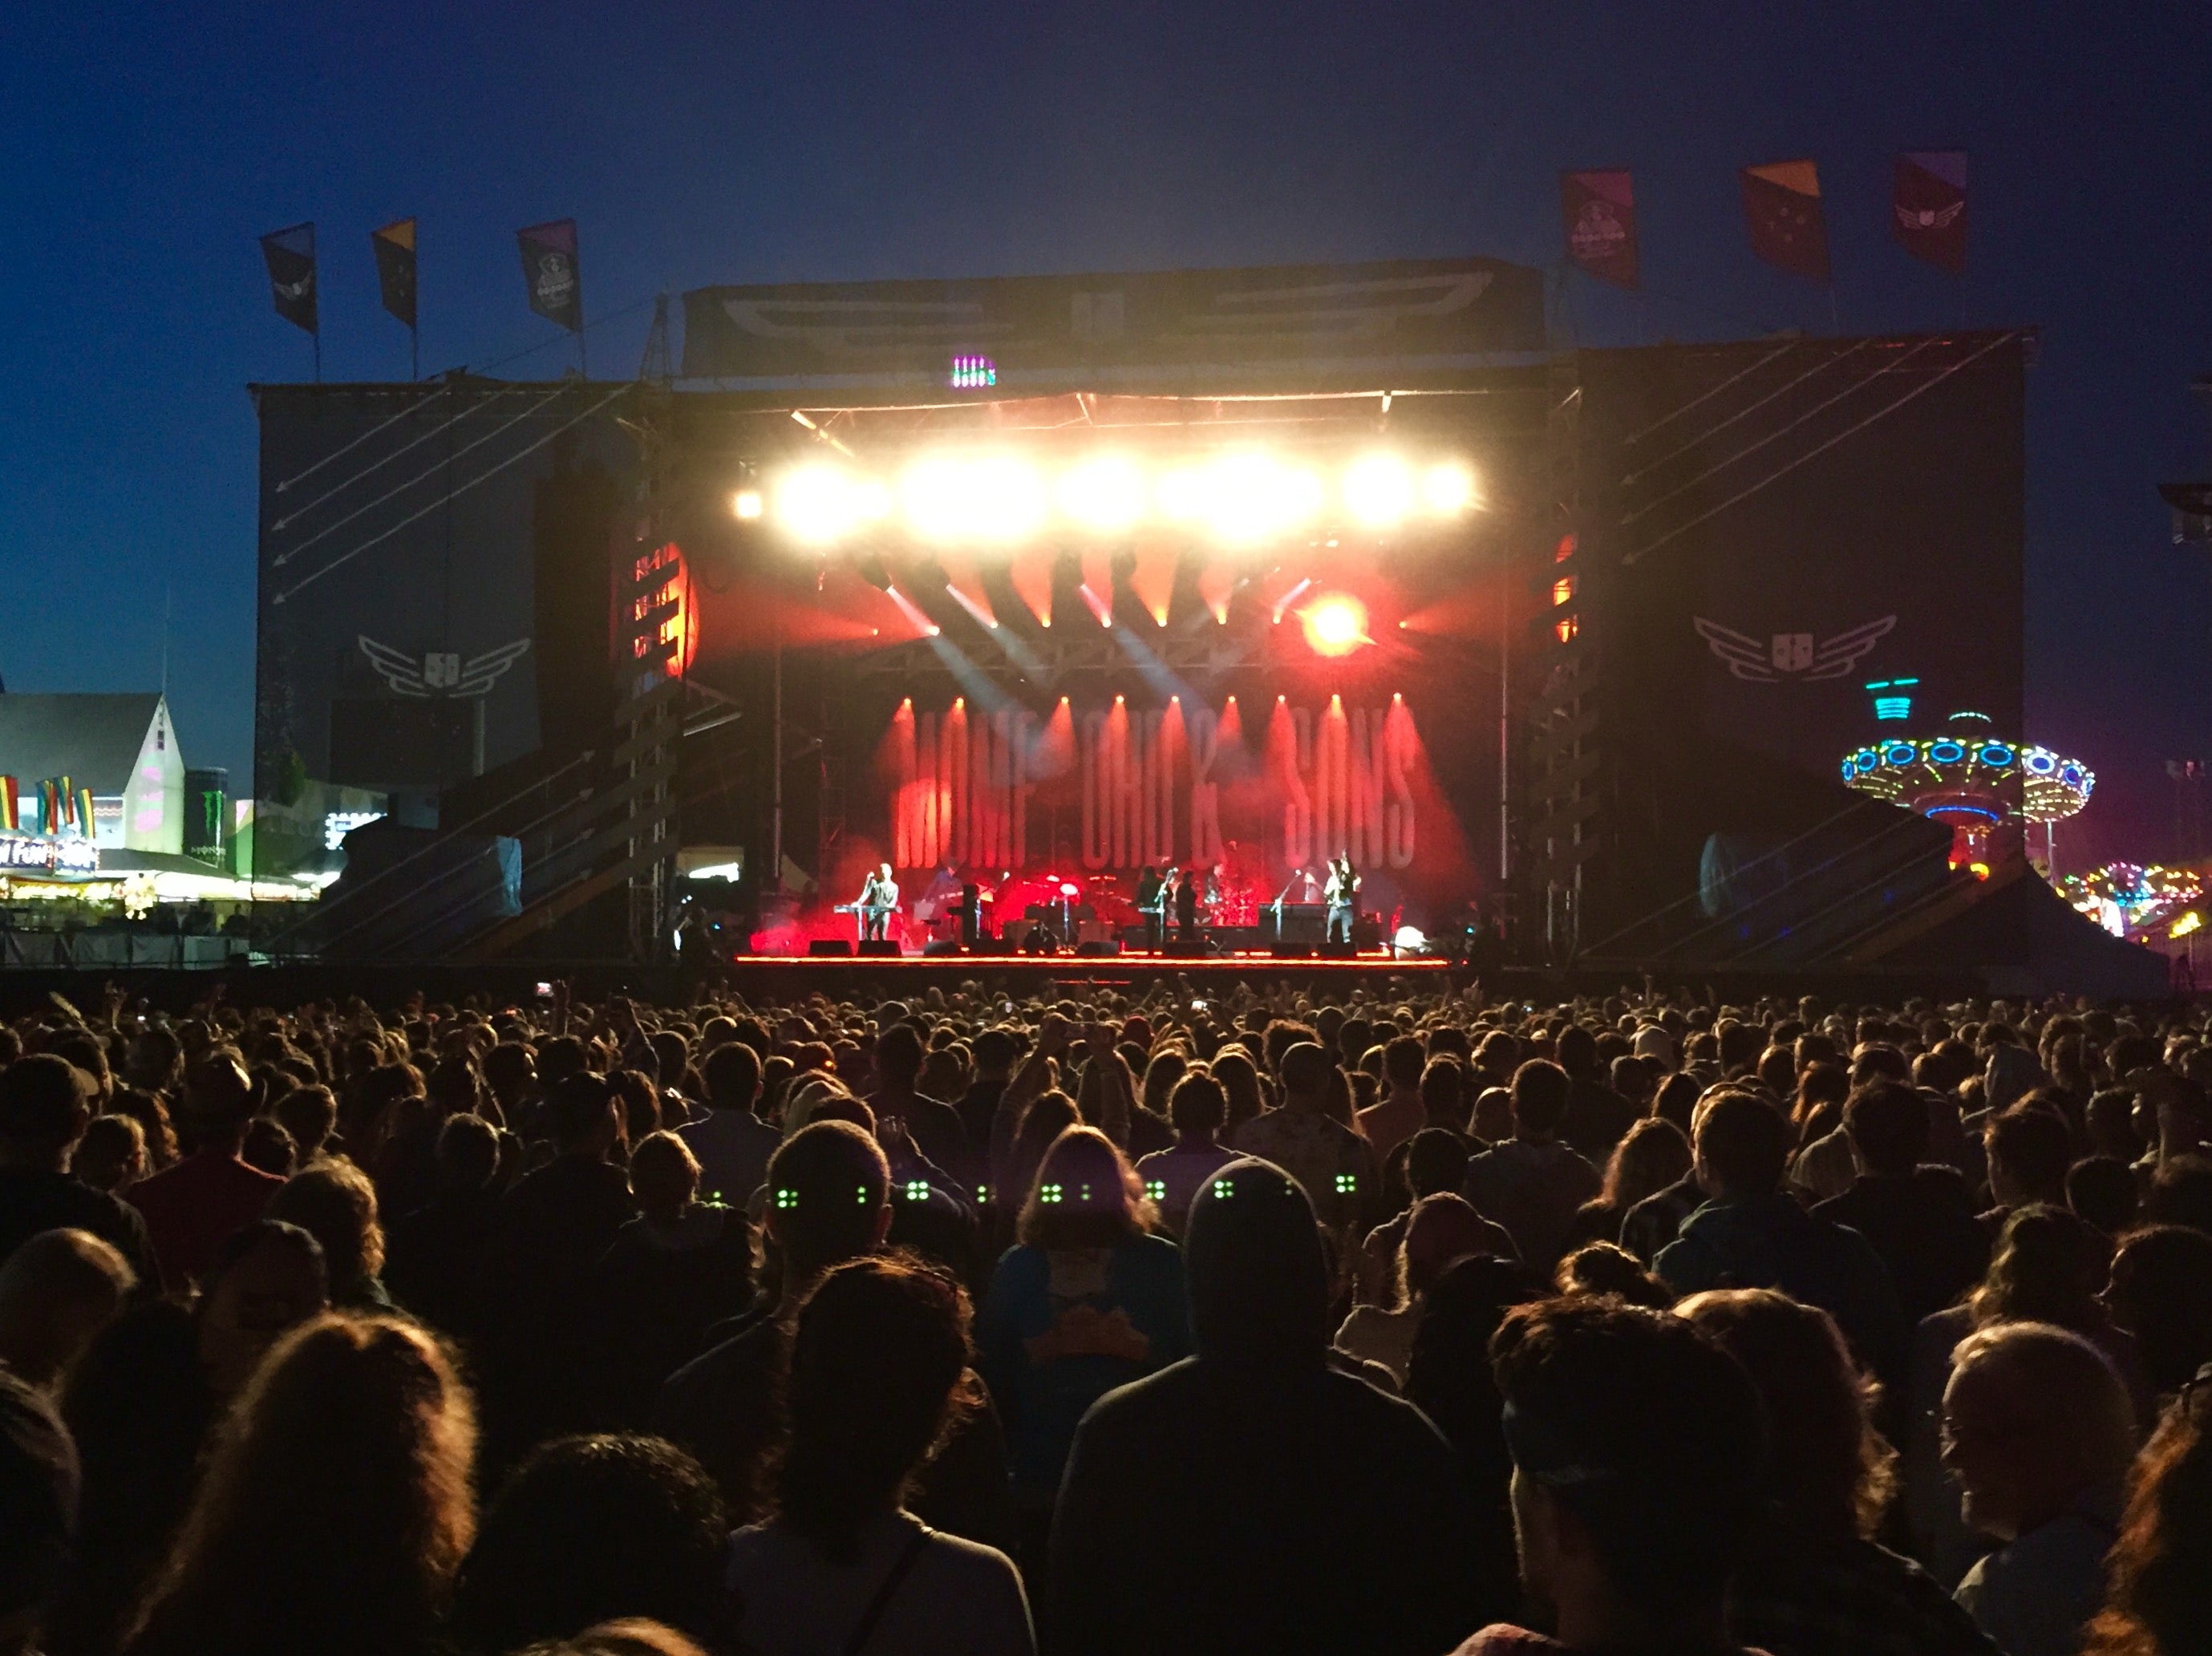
(290, 256)
(394, 246)
(1928, 207)
(11, 812)
(1782, 207)
(1599, 211)
(550, 267)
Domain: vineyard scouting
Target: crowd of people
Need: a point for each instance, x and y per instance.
(1410, 1321)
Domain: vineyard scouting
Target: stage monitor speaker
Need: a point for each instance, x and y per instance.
(1098, 949)
(1338, 951)
(940, 948)
(830, 948)
(1292, 952)
(879, 948)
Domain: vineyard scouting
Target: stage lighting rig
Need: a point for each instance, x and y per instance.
(1237, 499)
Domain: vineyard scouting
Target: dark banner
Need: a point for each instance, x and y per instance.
(1305, 314)
(395, 268)
(290, 256)
(1598, 212)
(420, 626)
(1782, 211)
(1928, 207)
(1821, 547)
(555, 276)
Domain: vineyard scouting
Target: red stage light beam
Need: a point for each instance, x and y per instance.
(1215, 583)
(1030, 572)
(1154, 579)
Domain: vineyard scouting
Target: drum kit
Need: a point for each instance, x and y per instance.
(1076, 908)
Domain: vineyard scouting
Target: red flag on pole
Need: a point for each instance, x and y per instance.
(1782, 207)
(1928, 207)
(1598, 211)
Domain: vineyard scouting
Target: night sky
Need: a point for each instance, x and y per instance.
(695, 143)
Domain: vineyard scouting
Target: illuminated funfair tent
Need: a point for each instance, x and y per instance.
(1975, 780)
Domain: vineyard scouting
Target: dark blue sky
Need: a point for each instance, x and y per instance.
(146, 147)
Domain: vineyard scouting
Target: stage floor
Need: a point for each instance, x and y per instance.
(846, 977)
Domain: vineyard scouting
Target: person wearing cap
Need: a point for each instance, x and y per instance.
(1205, 1508)
(1655, 1045)
(193, 1208)
(1639, 1453)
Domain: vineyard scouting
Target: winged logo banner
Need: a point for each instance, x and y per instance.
(1792, 656)
(1928, 207)
(440, 672)
(290, 257)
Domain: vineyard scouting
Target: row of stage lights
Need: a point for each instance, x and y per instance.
(1238, 499)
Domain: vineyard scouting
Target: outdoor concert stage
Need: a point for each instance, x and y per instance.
(1022, 587)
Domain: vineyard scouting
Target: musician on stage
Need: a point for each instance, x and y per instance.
(878, 897)
(1151, 903)
(1341, 894)
(1186, 908)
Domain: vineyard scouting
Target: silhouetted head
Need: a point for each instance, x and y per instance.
(1259, 1284)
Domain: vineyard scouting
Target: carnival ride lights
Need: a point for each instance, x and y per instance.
(2127, 899)
(1973, 780)
(1240, 498)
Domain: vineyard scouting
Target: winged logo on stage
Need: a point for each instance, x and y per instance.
(440, 672)
(1931, 218)
(1788, 656)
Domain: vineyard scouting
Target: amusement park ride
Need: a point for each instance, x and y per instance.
(1978, 781)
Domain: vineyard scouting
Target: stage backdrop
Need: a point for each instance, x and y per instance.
(434, 594)
(1775, 526)
(1090, 792)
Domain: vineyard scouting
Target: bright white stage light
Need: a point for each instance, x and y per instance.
(995, 498)
(746, 503)
(1104, 495)
(1448, 489)
(1335, 624)
(1378, 491)
(820, 506)
(1241, 498)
